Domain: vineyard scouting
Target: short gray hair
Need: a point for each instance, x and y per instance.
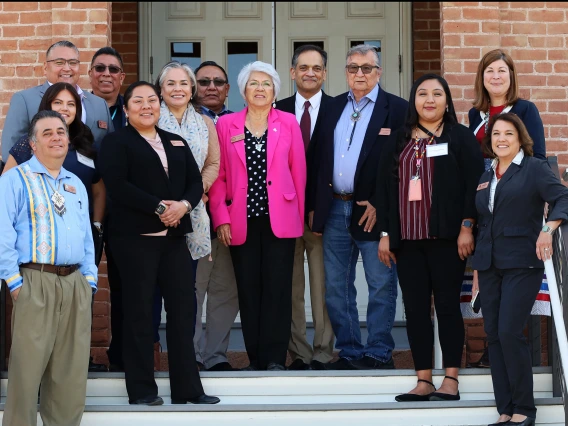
(40, 116)
(173, 65)
(259, 66)
(363, 49)
(62, 43)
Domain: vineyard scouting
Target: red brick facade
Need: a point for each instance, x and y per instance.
(426, 38)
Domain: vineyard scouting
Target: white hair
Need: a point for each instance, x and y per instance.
(363, 49)
(173, 65)
(259, 66)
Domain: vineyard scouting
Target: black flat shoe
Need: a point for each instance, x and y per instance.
(529, 421)
(499, 423)
(369, 363)
(251, 367)
(340, 364)
(413, 397)
(202, 399)
(439, 396)
(148, 400)
(317, 365)
(299, 364)
(222, 366)
(272, 366)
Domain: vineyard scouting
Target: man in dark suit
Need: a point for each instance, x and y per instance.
(61, 65)
(354, 130)
(308, 105)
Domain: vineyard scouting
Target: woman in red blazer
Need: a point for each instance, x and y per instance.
(257, 207)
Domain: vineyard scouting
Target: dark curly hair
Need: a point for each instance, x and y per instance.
(81, 138)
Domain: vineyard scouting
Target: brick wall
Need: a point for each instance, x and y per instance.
(426, 38)
(125, 38)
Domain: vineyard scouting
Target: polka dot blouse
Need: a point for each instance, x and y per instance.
(257, 197)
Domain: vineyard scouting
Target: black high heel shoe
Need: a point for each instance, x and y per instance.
(438, 396)
(412, 397)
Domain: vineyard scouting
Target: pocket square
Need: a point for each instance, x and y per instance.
(385, 132)
(102, 124)
(237, 138)
(482, 186)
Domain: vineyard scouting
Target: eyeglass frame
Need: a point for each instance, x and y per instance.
(361, 68)
(67, 61)
(120, 70)
(214, 81)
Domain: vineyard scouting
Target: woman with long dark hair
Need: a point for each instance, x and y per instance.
(427, 180)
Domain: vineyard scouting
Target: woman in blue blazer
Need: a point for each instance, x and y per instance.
(509, 253)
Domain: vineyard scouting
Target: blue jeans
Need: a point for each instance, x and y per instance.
(340, 253)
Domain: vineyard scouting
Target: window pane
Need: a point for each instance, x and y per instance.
(239, 53)
(375, 43)
(187, 53)
(297, 44)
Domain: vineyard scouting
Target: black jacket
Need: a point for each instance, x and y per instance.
(389, 113)
(528, 113)
(507, 237)
(454, 183)
(136, 181)
(289, 105)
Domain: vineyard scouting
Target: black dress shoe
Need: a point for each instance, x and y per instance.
(299, 364)
(222, 366)
(499, 423)
(115, 368)
(413, 397)
(148, 400)
(96, 368)
(317, 365)
(273, 366)
(251, 367)
(529, 421)
(202, 399)
(369, 363)
(340, 364)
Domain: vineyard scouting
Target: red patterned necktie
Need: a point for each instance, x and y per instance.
(306, 124)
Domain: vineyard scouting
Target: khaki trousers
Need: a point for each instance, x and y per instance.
(323, 338)
(51, 342)
(216, 278)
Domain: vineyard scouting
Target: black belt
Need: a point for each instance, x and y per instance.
(62, 271)
(344, 197)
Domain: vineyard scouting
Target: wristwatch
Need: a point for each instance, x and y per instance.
(160, 209)
(186, 203)
(99, 227)
(383, 234)
(547, 229)
(467, 223)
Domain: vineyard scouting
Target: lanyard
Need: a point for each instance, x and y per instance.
(419, 155)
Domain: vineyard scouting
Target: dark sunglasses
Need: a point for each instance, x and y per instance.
(113, 69)
(354, 69)
(205, 82)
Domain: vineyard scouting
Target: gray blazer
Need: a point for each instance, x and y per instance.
(24, 105)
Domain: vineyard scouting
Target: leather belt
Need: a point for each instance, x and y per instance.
(62, 271)
(344, 197)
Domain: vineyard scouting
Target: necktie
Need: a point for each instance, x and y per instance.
(306, 124)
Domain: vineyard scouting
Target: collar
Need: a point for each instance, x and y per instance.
(517, 160)
(371, 96)
(77, 88)
(213, 114)
(37, 167)
(315, 100)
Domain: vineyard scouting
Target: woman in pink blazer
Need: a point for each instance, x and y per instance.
(257, 207)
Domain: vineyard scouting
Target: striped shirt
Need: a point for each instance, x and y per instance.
(32, 232)
(415, 215)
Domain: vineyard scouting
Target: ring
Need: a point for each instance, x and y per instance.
(545, 249)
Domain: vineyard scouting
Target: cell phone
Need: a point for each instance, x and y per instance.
(161, 208)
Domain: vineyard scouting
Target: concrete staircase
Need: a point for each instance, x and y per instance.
(300, 398)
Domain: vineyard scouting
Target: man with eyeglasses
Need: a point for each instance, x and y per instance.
(308, 104)
(61, 65)
(356, 126)
(216, 278)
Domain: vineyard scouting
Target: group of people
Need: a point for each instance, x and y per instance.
(194, 200)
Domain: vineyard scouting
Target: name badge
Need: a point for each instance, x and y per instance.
(482, 186)
(102, 124)
(385, 132)
(89, 162)
(178, 143)
(437, 150)
(69, 188)
(238, 137)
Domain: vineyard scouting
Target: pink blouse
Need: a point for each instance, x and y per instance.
(157, 145)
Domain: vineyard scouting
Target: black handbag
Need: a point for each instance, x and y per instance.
(98, 241)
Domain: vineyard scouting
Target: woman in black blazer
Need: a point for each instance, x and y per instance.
(511, 247)
(426, 184)
(153, 182)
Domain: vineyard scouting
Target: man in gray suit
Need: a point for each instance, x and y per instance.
(61, 65)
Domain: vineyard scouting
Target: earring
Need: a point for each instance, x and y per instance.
(273, 104)
(446, 108)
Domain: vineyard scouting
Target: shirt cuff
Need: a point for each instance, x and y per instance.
(14, 282)
(91, 280)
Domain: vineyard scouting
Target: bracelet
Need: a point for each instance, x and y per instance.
(186, 204)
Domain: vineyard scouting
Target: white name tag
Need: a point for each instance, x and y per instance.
(436, 150)
(89, 162)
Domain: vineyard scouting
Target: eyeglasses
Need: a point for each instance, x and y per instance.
(60, 62)
(354, 69)
(112, 69)
(205, 82)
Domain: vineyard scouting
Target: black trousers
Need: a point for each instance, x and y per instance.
(507, 297)
(427, 267)
(263, 271)
(144, 261)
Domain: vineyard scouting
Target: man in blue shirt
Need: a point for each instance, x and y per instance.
(47, 260)
(355, 127)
